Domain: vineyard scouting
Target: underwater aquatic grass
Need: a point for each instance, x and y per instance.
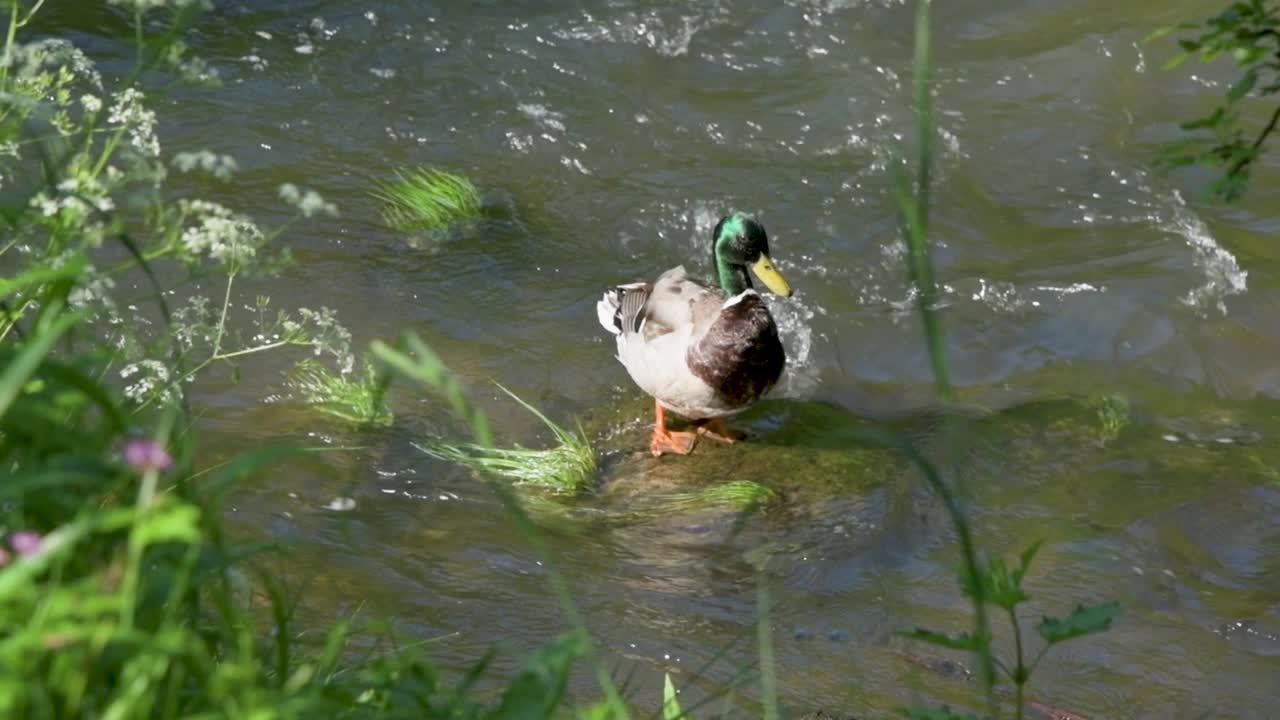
(1114, 416)
(351, 397)
(736, 494)
(427, 199)
(569, 466)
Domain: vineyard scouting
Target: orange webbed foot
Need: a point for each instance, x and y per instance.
(666, 441)
(718, 429)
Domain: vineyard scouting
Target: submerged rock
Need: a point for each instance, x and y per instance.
(795, 449)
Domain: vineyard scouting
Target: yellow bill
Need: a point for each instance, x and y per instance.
(770, 276)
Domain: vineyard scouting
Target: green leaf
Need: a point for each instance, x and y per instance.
(427, 367)
(963, 641)
(171, 523)
(1175, 61)
(537, 691)
(1210, 120)
(41, 275)
(670, 705)
(603, 710)
(1083, 621)
(1001, 587)
(24, 365)
(91, 389)
(80, 479)
(1243, 85)
(21, 574)
(1248, 54)
(1024, 562)
(919, 712)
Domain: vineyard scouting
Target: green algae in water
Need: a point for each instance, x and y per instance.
(427, 199)
(737, 494)
(568, 467)
(1114, 415)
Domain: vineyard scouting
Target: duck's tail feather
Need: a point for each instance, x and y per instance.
(621, 308)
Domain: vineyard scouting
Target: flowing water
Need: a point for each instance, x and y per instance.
(1117, 338)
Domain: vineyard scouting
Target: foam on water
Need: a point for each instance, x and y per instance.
(545, 117)
(794, 318)
(1223, 276)
(669, 36)
(1166, 210)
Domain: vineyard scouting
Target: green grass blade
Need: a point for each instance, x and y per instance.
(72, 377)
(43, 275)
(427, 367)
(22, 367)
(670, 703)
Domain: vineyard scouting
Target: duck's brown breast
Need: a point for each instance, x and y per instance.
(740, 356)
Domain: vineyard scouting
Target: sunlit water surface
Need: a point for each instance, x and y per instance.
(1080, 287)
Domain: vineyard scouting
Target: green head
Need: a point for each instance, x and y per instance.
(738, 242)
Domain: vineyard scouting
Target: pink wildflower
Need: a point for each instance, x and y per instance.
(144, 455)
(25, 542)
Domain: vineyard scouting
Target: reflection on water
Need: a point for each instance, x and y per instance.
(608, 137)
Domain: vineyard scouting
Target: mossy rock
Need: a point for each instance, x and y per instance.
(797, 452)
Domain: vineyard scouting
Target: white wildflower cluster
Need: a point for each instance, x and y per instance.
(51, 54)
(193, 323)
(321, 329)
(142, 170)
(148, 379)
(308, 203)
(93, 296)
(88, 191)
(220, 166)
(129, 112)
(8, 149)
(76, 201)
(94, 293)
(193, 69)
(219, 233)
(90, 103)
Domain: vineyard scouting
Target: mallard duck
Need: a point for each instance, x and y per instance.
(700, 351)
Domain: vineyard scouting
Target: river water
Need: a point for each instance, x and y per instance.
(1116, 335)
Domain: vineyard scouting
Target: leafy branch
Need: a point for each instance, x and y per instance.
(1249, 32)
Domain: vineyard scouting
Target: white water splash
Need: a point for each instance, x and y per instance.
(794, 318)
(1223, 276)
(670, 37)
(1167, 211)
(545, 117)
(1004, 296)
(999, 295)
(552, 130)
